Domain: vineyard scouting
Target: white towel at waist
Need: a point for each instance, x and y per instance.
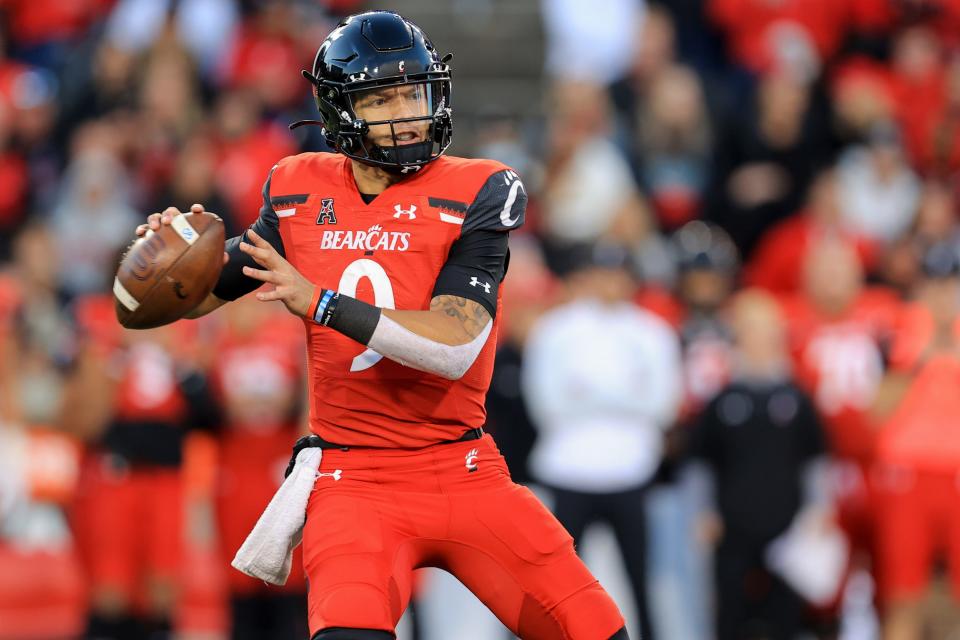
(267, 552)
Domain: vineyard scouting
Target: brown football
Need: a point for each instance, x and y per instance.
(167, 273)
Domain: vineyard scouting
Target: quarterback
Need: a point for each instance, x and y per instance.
(393, 254)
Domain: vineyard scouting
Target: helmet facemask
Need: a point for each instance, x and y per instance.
(398, 126)
(399, 123)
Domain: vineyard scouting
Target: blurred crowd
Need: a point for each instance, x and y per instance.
(731, 325)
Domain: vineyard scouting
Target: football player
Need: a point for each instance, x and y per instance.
(393, 255)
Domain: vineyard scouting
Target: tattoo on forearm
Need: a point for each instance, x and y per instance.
(472, 315)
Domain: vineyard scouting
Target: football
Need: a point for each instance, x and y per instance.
(167, 273)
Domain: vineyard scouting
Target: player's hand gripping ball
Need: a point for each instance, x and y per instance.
(170, 269)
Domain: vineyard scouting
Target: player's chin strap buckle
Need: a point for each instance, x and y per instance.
(310, 441)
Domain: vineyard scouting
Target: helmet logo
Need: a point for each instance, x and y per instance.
(400, 66)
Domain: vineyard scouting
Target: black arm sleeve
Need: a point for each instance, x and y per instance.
(475, 267)
(232, 283)
(478, 260)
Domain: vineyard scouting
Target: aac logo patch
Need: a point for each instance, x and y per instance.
(327, 214)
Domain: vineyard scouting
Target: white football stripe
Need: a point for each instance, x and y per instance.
(446, 217)
(184, 229)
(124, 296)
(286, 213)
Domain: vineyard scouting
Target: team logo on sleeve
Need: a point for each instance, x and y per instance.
(470, 461)
(327, 214)
(511, 180)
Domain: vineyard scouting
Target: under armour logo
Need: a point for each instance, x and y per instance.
(476, 283)
(335, 475)
(470, 460)
(400, 211)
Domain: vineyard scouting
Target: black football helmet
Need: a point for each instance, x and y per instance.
(374, 50)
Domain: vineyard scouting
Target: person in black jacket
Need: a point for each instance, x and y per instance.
(758, 436)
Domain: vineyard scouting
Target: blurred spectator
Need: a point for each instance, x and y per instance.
(500, 137)
(194, 181)
(589, 192)
(761, 438)
(43, 31)
(777, 263)
(918, 450)
(590, 42)
(34, 97)
(258, 381)
(861, 94)
(763, 35)
(132, 395)
(655, 51)
(765, 159)
(105, 84)
(262, 54)
(41, 584)
(169, 112)
(43, 330)
(248, 148)
(841, 332)
(135, 25)
(530, 292)
(920, 92)
(877, 189)
(601, 409)
(92, 219)
(936, 221)
(674, 145)
(708, 267)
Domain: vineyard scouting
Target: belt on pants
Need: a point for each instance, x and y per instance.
(314, 440)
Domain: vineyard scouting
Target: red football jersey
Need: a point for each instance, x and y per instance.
(388, 253)
(142, 362)
(839, 361)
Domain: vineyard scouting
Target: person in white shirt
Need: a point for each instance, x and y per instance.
(602, 379)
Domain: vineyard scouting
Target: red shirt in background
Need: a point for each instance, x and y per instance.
(755, 27)
(143, 362)
(262, 61)
(924, 431)
(263, 361)
(243, 165)
(839, 361)
(777, 263)
(31, 22)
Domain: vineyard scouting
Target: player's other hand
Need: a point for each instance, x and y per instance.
(164, 218)
(289, 287)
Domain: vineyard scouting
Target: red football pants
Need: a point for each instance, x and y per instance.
(376, 515)
(133, 526)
